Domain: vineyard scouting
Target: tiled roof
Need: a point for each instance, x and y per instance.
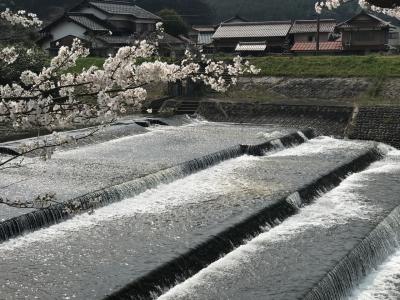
(204, 38)
(306, 26)
(89, 21)
(124, 8)
(235, 19)
(170, 39)
(334, 46)
(204, 28)
(250, 46)
(356, 22)
(253, 30)
(117, 40)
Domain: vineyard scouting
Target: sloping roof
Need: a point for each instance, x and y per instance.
(205, 28)
(204, 38)
(312, 46)
(310, 26)
(124, 8)
(117, 40)
(170, 39)
(357, 22)
(235, 19)
(89, 21)
(251, 46)
(253, 30)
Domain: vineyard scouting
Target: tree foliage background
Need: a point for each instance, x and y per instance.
(201, 11)
(173, 22)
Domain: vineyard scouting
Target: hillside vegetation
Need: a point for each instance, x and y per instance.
(275, 9)
(200, 11)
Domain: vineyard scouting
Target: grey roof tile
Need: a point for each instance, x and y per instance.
(204, 38)
(124, 9)
(310, 26)
(118, 40)
(89, 22)
(253, 30)
(251, 46)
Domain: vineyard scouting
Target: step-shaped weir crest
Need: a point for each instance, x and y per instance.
(41, 218)
(188, 264)
(372, 251)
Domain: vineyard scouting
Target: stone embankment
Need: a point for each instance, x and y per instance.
(378, 123)
(321, 88)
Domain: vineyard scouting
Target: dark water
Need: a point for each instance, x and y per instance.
(287, 261)
(91, 256)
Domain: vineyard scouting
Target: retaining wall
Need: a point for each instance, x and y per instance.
(378, 123)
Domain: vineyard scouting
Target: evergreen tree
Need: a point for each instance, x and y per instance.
(173, 23)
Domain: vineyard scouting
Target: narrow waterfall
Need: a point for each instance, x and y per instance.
(287, 141)
(204, 254)
(56, 213)
(383, 241)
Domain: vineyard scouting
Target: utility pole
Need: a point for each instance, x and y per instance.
(318, 33)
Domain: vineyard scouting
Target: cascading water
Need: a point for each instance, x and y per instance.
(307, 244)
(56, 213)
(223, 242)
(168, 233)
(383, 283)
(259, 220)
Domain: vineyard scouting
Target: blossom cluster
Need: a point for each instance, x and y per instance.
(8, 55)
(333, 4)
(21, 18)
(56, 98)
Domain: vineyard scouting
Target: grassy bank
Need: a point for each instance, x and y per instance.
(307, 66)
(329, 66)
(87, 62)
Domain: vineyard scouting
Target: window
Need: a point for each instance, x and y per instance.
(394, 35)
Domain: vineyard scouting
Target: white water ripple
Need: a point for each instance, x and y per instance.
(382, 284)
(335, 207)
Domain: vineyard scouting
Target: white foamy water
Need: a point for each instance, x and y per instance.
(382, 284)
(199, 187)
(338, 206)
(319, 145)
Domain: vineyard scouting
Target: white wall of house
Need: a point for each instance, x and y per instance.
(64, 29)
(394, 37)
(311, 37)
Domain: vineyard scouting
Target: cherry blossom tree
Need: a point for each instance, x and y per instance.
(55, 98)
(388, 7)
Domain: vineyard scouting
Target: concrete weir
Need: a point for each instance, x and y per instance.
(201, 210)
(138, 247)
(41, 218)
(189, 263)
(322, 252)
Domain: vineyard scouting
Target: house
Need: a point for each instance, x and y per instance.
(306, 30)
(103, 26)
(170, 46)
(236, 19)
(364, 33)
(229, 36)
(394, 38)
(328, 47)
(251, 48)
(312, 36)
(202, 34)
